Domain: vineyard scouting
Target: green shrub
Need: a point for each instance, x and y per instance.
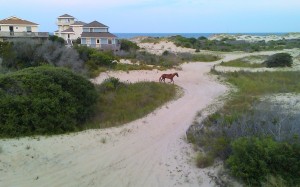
(127, 45)
(85, 52)
(279, 60)
(166, 52)
(55, 38)
(253, 159)
(110, 84)
(103, 58)
(44, 100)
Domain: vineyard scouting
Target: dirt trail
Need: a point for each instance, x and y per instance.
(151, 151)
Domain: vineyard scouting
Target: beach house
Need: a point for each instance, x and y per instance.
(13, 28)
(96, 35)
(69, 28)
(93, 34)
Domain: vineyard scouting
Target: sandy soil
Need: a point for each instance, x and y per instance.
(151, 151)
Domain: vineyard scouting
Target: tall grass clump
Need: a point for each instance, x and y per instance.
(120, 102)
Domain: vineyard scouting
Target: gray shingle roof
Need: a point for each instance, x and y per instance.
(69, 30)
(66, 16)
(97, 34)
(79, 23)
(95, 24)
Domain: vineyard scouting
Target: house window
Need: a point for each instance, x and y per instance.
(109, 41)
(98, 41)
(0, 28)
(83, 40)
(103, 41)
(91, 30)
(28, 29)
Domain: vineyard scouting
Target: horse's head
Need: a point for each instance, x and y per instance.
(176, 74)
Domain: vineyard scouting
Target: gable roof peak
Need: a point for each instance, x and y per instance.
(66, 16)
(14, 20)
(13, 17)
(95, 24)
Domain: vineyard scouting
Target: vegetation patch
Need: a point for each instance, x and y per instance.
(230, 44)
(252, 133)
(44, 100)
(120, 102)
(247, 62)
(279, 60)
(203, 160)
(152, 40)
(253, 159)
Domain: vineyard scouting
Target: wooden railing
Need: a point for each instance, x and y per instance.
(24, 34)
(114, 47)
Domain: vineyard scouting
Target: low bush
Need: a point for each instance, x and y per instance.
(127, 45)
(279, 60)
(253, 159)
(44, 100)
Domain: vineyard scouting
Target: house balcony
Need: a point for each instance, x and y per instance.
(105, 47)
(4, 34)
(62, 23)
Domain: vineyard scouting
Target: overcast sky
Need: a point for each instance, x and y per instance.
(164, 16)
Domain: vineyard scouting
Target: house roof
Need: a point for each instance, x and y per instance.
(69, 30)
(13, 20)
(95, 24)
(66, 16)
(78, 23)
(97, 34)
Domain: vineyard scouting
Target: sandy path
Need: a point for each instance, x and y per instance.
(151, 151)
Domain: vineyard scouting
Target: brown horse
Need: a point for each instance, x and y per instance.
(168, 76)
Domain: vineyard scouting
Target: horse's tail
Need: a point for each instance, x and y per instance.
(160, 78)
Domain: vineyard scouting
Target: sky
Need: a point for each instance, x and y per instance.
(163, 16)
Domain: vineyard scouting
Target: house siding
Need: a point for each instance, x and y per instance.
(18, 28)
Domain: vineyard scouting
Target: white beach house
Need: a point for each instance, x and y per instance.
(68, 28)
(15, 28)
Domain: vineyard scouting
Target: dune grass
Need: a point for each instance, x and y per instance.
(247, 62)
(120, 103)
(247, 114)
(122, 67)
(251, 86)
(198, 57)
